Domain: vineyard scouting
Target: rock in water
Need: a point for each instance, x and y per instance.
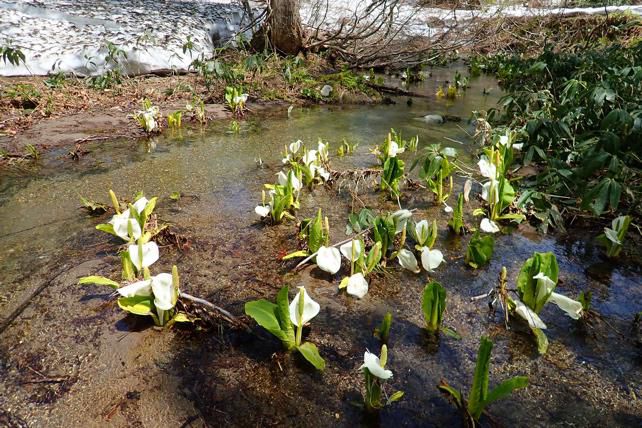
(433, 119)
(326, 91)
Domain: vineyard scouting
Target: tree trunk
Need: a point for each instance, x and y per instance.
(283, 26)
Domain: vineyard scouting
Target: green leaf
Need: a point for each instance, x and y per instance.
(181, 317)
(264, 313)
(449, 331)
(433, 305)
(529, 288)
(479, 389)
(480, 250)
(283, 316)
(452, 392)
(300, 253)
(138, 305)
(315, 236)
(505, 388)
(542, 340)
(98, 280)
(456, 223)
(383, 331)
(396, 396)
(109, 228)
(311, 353)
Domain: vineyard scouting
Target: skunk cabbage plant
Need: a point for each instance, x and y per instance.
(282, 318)
(375, 374)
(479, 397)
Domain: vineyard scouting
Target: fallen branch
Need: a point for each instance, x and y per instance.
(396, 91)
(225, 314)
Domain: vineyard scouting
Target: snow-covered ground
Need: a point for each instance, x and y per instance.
(72, 35)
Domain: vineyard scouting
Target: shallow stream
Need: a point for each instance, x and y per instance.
(115, 369)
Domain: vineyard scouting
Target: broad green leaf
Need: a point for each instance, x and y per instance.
(264, 313)
(433, 305)
(98, 280)
(480, 250)
(138, 305)
(311, 353)
(106, 228)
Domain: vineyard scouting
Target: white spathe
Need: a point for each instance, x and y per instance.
(407, 260)
(294, 147)
(150, 255)
(486, 168)
(504, 139)
(573, 308)
(488, 226)
(401, 217)
(139, 288)
(310, 308)
(262, 210)
(431, 259)
(284, 178)
(357, 285)
(140, 204)
(121, 223)
(346, 250)
(329, 259)
(165, 295)
(310, 157)
(394, 150)
(422, 232)
(447, 208)
(534, 321)
(544, 285)
(240, 99)
(486, 189)
(372, 363)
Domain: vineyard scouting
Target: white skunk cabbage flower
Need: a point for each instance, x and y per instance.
(346, 250)
(121, 223)
(262, 210)
(310, 157)
(519, 146)
(240, 99)
(150, 255)
(139, 288)
(534, 321)
(140, 204)
(401, 217)
(323, 173)
(422, 231)
(373, 364)
(310, 308)
(394, 150)
(329, 259)
(447, 208)
(407, 260)
(357, 285)
(487, 168)
(486, 190)
(431, 259)
(573, 308)
(294, 147)
(504, 140)
(544, 285)
(283, 179)
(165, 294)
(488, 226)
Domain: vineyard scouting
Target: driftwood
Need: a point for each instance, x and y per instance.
(396, 91)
